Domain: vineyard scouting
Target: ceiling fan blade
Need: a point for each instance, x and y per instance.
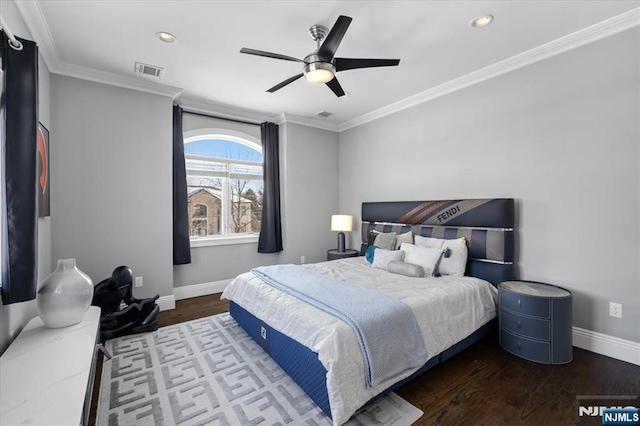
(269, 54)
(343, 64)
(284, 83)
(331, 43)
(334, 85)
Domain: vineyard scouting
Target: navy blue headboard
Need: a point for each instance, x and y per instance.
(487, 225)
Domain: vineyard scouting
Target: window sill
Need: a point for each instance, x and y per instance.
(224, 240)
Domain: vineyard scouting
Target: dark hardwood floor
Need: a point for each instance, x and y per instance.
(484, 385)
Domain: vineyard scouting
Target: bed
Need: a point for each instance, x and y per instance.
(320, 352)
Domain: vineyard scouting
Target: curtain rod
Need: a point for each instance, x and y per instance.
(13, 42)
(221, 118)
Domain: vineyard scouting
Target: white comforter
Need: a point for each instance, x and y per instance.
(448, 309)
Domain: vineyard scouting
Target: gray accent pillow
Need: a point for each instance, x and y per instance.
(406, 269)
(407, 237)
(386, 241)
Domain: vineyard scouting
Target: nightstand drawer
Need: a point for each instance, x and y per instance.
(525, 326)
(524, 304)
(526, 348)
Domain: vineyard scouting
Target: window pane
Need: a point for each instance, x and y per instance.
(199, 227)
(222, 149)
(200, 210)
(205, 211)
(246, 205)
(204, 165)
(245, 170)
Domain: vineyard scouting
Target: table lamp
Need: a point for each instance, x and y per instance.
(341, 222)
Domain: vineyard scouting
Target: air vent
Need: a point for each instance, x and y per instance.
(149, 70)
(324, 114)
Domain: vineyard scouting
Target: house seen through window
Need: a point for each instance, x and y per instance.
(224, 185)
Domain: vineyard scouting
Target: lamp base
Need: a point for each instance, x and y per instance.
(341, 242)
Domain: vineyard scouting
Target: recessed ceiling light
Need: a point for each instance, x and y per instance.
(481, 21)
(166, 37)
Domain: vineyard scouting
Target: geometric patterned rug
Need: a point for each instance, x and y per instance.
(210, 372)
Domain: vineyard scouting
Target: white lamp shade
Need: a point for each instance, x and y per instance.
(341, 222)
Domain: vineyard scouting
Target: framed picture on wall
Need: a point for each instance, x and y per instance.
(43, 171)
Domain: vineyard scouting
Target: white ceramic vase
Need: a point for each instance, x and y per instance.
(65, 295)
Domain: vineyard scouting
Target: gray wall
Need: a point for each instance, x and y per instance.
(14, 317)
(559, 136)
(111, 170)
(309, 180)
(310, 196)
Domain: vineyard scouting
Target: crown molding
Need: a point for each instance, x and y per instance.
(228, 111)
(306, 121)
(223, 110)
(39, 29)
(37, 25)
(572, 41)
(112, 79)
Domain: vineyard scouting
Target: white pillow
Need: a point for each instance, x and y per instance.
(382, 257)
(427, 257)
(407, 237)
(456, 263)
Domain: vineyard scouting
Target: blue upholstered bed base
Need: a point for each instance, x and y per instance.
(303, 365)
(298, 361)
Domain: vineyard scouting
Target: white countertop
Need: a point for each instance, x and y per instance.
(44, 373)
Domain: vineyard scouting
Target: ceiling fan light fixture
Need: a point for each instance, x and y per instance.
(481, 21)
(319, 72)
(166, 37)
(319, 76)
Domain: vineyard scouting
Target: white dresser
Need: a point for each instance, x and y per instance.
(46, 375)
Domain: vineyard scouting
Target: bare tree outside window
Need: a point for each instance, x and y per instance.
(246, 208)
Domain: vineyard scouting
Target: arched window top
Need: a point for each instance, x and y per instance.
(221, 143)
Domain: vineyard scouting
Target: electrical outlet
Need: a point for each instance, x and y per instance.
(615, 309)
(138, 282)
(302, 259)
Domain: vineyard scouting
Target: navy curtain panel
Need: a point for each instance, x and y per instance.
(181, 244)
(19, 116)
(270, 240)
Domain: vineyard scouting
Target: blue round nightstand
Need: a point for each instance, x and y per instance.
(536, 321)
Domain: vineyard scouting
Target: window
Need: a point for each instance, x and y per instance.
(200, 210)
(199, 228)
(224, 184)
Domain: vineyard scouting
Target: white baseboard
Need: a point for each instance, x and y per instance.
(166, 302)
(603, 344)
(197, 290)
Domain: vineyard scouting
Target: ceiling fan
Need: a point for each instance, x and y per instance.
(321, 66)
